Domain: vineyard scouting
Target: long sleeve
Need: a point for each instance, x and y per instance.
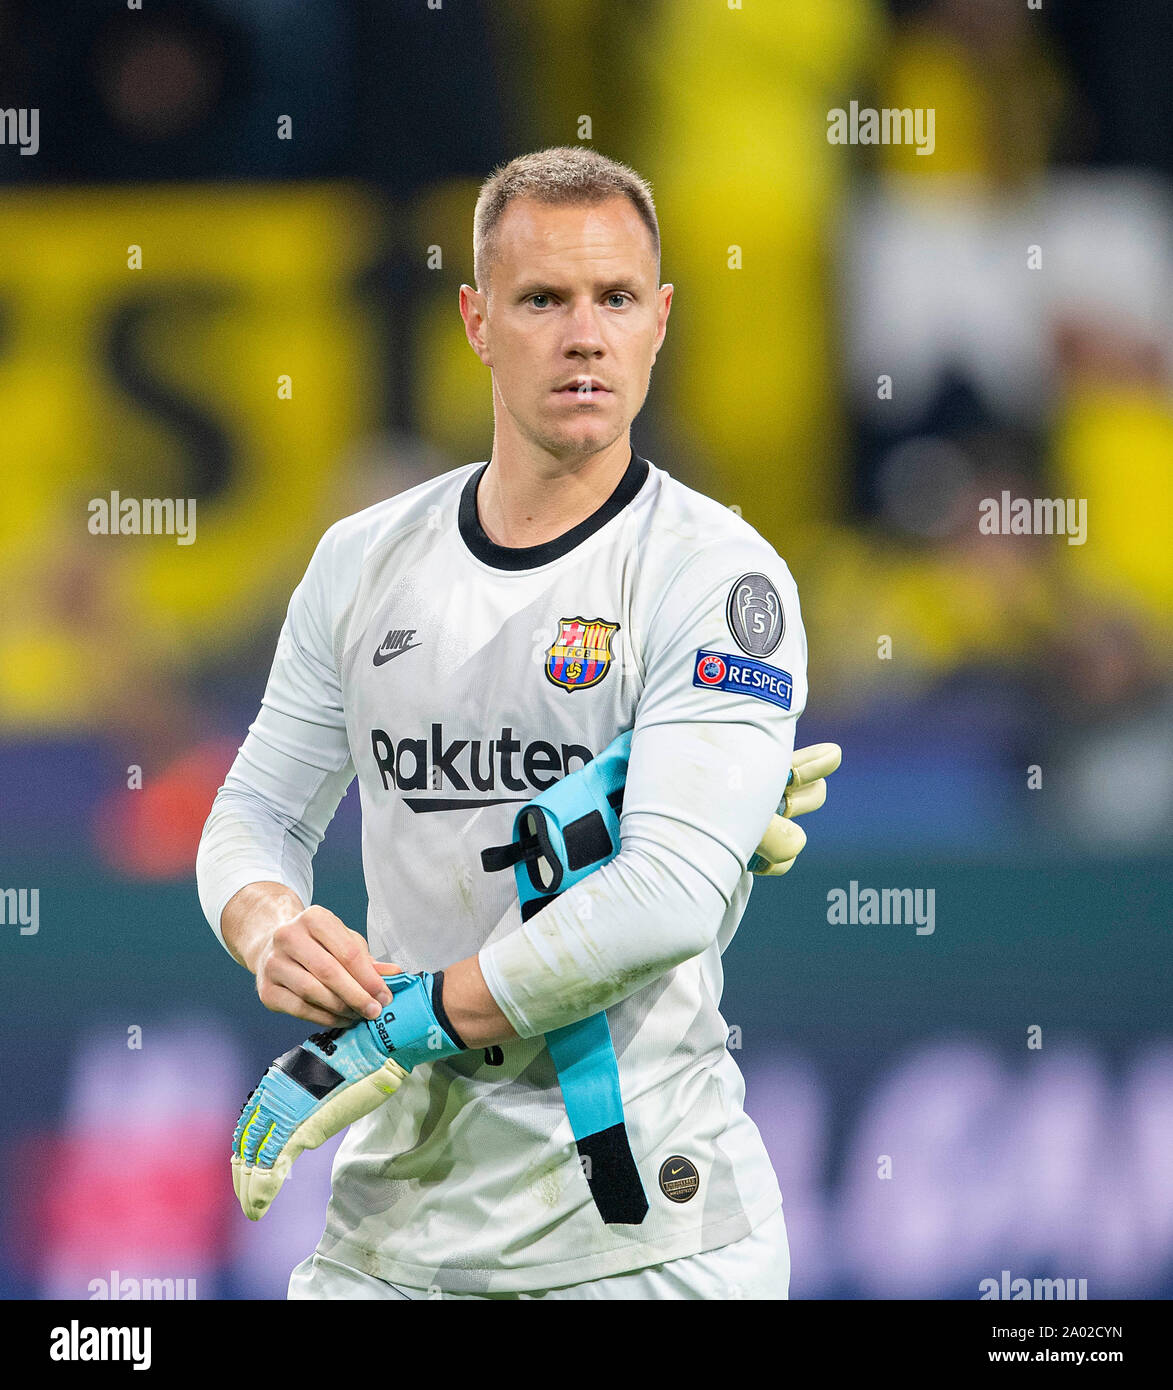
(294, 766)
(711, 749)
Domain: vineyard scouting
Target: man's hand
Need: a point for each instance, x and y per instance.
(331, 1080)
(308, 963)
(806, 791)
(314, 967)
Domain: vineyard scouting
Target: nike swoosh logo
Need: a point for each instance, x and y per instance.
(674, 1171)
(381, 657)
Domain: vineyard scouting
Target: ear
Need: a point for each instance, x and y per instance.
(473, 312)
(665, 305)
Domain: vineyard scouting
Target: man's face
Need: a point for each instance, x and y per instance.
(570, 323)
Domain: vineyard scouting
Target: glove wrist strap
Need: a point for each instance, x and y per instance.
(441, 1012)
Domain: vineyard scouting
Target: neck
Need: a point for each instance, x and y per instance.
(526, 500)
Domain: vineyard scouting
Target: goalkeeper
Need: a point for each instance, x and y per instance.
(463, 649)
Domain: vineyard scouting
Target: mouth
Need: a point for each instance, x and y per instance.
(583, 389)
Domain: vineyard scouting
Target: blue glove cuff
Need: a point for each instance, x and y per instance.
(415, 1027)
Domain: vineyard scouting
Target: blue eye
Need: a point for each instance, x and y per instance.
(534, 297)
(618, 294)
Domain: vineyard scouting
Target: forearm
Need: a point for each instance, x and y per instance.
(266, 821)
(252, 915)
(613, 934)
(695, 805)
(247, 844)
(475, 1014)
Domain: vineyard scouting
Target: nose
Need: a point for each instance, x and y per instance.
(583, 335)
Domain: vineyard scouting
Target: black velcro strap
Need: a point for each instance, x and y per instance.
(587, 841)
(613, 1177)
(441, 1013)
(530, 846)
(309, 1071)
(535, 905)
(499, 857)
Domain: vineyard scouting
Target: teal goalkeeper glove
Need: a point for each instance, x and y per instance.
(806, 790)
(331, 1080)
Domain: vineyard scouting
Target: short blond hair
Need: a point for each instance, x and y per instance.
(564, 175)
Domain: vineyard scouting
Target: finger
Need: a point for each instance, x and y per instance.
(284, 1001)
(782, 841)
(387, 967)
(347, 967)
(257, 1187)
(306, 974)
(805, 799)
(252, 1131)
(809, 764)
(355, 955)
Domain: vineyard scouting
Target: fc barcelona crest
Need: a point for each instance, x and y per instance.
(581, 654)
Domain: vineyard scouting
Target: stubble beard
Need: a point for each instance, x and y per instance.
(567, 446)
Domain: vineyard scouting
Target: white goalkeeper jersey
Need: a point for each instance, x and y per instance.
(457, 679)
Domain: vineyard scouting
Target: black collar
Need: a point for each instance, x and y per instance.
(508, 557)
